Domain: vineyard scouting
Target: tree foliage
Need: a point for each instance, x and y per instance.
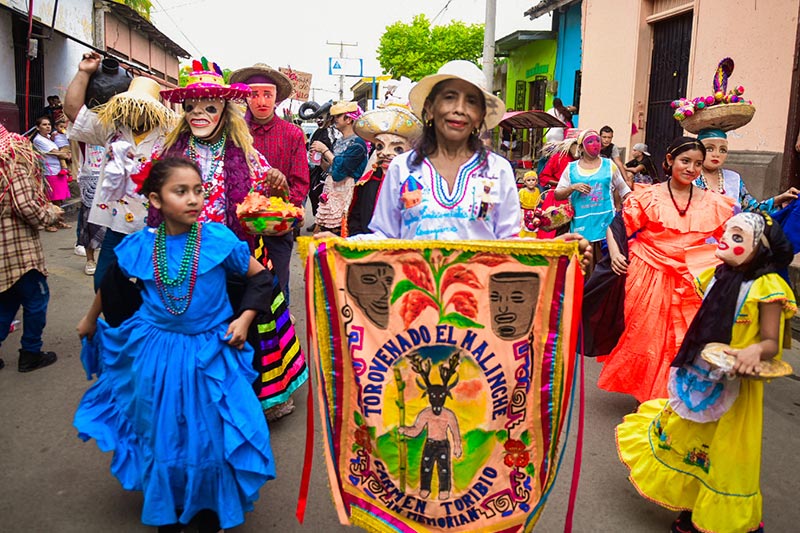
(418, 49)
(140, 6)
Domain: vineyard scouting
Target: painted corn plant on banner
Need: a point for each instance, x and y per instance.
(444, 373)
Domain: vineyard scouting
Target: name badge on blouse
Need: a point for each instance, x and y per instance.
(489, 197)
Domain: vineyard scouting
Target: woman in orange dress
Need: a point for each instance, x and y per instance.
(660, 300)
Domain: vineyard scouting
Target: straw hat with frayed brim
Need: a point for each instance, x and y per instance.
(140, 100)
(458, 70)
(282, 82)
(394, 119)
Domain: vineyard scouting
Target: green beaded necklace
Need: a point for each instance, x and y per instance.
(174, 292)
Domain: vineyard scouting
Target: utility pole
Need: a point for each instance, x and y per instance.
(488, 43)
(341, 46)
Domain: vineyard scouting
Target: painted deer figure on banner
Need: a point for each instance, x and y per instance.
(438, 420)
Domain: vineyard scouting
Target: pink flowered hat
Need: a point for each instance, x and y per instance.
(206, 81)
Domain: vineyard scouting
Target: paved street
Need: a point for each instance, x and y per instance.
(51, 481)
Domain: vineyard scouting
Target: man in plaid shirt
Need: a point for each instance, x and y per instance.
(24, 210)
(282, 143)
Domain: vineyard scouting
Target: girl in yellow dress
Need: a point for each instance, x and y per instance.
(529, 198)
(699, 451)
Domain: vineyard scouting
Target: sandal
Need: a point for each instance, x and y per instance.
(279, 411)
(63, 225)
(51, 229)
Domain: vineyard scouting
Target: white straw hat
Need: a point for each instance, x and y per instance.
(461, 70)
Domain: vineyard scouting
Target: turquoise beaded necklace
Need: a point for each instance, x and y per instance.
(175, 293)
(217, 150)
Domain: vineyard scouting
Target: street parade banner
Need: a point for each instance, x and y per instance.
(443, 378)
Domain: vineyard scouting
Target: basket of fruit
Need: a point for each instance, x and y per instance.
(262, 215)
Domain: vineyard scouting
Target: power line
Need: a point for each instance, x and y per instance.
(441, 11)
(170, 8)
(196, 48)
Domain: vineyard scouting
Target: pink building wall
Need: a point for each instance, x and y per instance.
(759, 36)
(610, 43)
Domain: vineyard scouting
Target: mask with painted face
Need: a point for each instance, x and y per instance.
(592, 145)
(388, 146)
(203, 115)
(262, 100)
(740, 240)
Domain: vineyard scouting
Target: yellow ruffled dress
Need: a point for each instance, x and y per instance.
(529, 200)
(713, 468)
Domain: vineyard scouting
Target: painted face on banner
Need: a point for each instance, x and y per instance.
(738, 243)
(203, 115)
(388, 146)
(370, 284)
(592, 145)
(513, 298)
(262, 100)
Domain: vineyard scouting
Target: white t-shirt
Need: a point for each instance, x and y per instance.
(44, 145)
(617, 182)
(129, 214)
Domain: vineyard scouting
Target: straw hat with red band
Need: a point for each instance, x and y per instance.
(206, 81)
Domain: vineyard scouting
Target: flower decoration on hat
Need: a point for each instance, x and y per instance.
(723, 110)
(206, 80)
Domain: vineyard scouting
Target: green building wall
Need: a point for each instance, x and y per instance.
(537, 58)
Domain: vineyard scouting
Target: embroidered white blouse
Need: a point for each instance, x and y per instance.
(418, 204)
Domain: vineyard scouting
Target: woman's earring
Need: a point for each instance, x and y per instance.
(476, 132)
(429, 123)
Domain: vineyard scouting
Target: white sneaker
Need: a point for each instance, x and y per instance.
(80, 250)
(89, 268)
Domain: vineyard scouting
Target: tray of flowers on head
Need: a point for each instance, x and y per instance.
(260, 214)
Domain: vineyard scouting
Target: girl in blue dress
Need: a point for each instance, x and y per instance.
(173, 399)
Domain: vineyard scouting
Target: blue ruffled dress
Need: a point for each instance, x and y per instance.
(173, 400)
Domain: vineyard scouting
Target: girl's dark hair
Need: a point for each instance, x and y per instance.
(677, 147)
(162, 169)
(563, 111)
(427, 143)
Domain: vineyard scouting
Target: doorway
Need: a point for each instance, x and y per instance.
(36, 98)
(538, 92)
(669, 72)
(790, 167)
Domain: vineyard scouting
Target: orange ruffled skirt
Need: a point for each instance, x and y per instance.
(659, 305)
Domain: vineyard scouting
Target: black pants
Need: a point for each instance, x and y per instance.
(317, 181)
(206, 521)
(435, 452)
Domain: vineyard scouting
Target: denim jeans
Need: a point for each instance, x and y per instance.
(106, 256)
(32, 293)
